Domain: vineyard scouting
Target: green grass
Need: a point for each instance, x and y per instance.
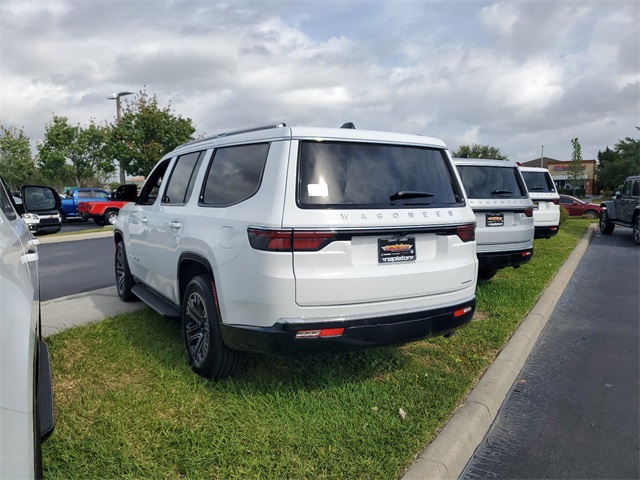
(128, 406)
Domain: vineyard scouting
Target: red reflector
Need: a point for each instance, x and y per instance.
(467, 233)
(526, 254)
(331, 332)
(461, 311)
(553, 229)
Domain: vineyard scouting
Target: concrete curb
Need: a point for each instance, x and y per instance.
(108, 232)
(83, 308)
(448, 454)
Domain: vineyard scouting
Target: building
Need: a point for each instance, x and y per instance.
(559, 170)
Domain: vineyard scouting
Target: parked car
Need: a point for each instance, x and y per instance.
(504, 213)
(106, 212)
(623, 209)
(576, 207)
(44, 201)
(286, 240)
(546, 201)
(26, 395)
(74, 196)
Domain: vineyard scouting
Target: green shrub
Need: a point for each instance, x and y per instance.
(564, 214)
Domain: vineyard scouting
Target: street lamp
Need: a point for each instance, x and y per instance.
(116, 97)
(542, 157)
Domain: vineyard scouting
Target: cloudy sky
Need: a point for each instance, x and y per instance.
(516, 75)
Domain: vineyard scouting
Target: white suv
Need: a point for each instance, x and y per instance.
(546, 201)
(281, 239)
(26, 396)
(504, 213)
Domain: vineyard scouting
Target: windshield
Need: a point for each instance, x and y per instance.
(539, 181)
(363, 175)
(491, 182)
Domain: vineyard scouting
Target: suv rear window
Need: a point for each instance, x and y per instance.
(539, 182)
(365, 175)
(491, 182)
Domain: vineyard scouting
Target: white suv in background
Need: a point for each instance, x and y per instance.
(26, 395)
(282, 239)
(546, 201)
(504, 213)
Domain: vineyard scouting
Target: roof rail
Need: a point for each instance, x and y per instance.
(236, 132)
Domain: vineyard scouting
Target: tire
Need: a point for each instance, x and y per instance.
(124, 279)
(636, 230)
(98, 221)
(487, 273)
(63, 216)
(110, 217)
(84, 217)
(591, 214)
(606, 227)
(208, 356)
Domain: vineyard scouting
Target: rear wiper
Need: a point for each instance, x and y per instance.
(501, 192)
(410, 194)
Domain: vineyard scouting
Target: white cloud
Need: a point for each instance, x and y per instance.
(515, 75)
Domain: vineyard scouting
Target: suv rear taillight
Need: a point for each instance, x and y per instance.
(528, 212)
(289, 240)
(467, 233)
(556, 201)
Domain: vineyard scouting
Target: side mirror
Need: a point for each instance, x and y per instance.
(38, 198)
(127, 193)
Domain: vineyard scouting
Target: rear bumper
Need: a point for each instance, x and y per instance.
(504, 259)
(280, 339)
(546, 231)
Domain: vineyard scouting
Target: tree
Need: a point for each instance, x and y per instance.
(72, 154)
(617, 164)
(145, 133)
(479, 151)
(576, 169)
(16, 163)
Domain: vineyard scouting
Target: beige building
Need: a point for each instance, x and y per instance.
(559, 170)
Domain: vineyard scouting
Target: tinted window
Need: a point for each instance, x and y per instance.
(367, 175)
(539, 181)
(38, 198)
(180, 182)
(101, 194)
(491, 182)
(85, 194)
(234, 174)
(636, 188)
(566, 201)
(152, 186)
(5, 204)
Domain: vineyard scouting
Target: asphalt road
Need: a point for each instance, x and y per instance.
(574, 411)
(73, 267)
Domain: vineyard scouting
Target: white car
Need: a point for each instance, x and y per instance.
(281, 239)
(546, 201)
(504, 213)
(26, 395)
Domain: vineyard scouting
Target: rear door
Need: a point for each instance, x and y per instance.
(375, 222)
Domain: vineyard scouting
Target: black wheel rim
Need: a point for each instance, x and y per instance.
(120, 274)
(636, 231)
(196, 327)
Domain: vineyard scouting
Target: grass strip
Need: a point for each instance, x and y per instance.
(128, 406)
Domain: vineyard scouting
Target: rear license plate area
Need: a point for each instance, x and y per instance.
(495, 219)
(396, 249)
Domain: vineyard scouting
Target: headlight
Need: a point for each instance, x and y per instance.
(30, 216)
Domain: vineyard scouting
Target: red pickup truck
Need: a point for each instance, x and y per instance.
(103, 213)
(106, 212)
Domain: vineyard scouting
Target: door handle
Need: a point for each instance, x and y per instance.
(144, 220)
(175, 224)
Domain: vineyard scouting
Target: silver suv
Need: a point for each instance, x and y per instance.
(504, 213)
(282, 239)
(26, 396)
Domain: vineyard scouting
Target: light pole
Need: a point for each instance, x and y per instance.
(116, 97)
(542, 157)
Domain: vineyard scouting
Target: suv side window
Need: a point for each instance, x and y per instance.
(6, 205)
(183, 176)
(84, 194)
(101, 194)
(626, 189)
(565, 201)
(152, 186)
(234, 174)
(636, 188)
